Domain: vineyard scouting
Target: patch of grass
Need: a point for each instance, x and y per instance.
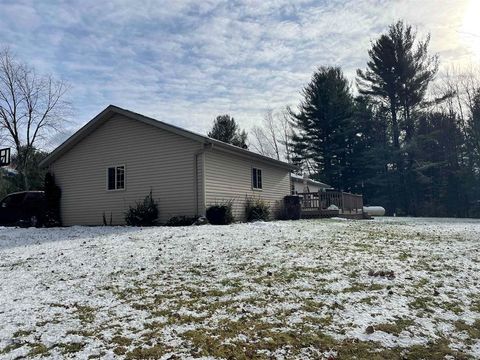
(70, 348)
(262, 337)
(59, 305)
(318, 321)
(278, 276)
(121, 340)
(473, 330)
(367, 300)
(120, 350)
(85, 313)
(11, 347)
(421, 303)
(140, 306)
(363, 246)
(434, 350)
(309, 305)
(357, 287)
(265, 338)
(38, 350)
(22, 333)
(421, 283)
(45, 322)
(475, 306)
(177, 319)
(353, 274)
(195, 271)
(336, 306)
(84, 333)
(453, 307)
(128, 293)
(394, 328)
(154, 352)
(235, 283)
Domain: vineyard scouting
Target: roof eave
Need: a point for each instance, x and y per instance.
(112, 109)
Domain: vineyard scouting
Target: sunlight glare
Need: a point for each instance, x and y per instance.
(471, 27)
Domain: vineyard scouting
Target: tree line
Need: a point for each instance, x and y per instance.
(403, 136)
(403, 141)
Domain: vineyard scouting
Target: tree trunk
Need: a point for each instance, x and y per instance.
(395, 129)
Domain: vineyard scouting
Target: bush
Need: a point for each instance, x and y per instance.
(53, 194)
(143, 214)
(220, 214)
(257, 209)
(181, 221)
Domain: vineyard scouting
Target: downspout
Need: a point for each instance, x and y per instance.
(198, 154)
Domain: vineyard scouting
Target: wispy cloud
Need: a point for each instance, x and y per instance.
(185, 62)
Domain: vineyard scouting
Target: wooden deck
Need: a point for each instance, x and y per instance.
(322, 204)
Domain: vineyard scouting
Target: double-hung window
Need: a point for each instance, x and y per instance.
(256, 178)
(116, 178)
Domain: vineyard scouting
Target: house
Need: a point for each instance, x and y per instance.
(303, 184)
(119, 156)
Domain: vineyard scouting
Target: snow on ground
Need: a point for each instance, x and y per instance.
(390, 288)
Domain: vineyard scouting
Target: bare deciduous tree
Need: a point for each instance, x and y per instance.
(272, 138)
(32, 108)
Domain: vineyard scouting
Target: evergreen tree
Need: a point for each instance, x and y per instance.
(398, 74)
(370, 152)
(324, 128)
(28, 160)
(440, 182)
(474, 127)
(227, 130)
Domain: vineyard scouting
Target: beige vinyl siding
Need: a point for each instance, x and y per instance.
(229, 177)
(200, 188)
(154, 159)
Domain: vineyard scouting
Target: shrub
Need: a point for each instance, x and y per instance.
(220, 214)
(181, 221)
(53, 193)
(144, 213)
(257, 209)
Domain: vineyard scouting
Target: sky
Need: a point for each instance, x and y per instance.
(185, 62)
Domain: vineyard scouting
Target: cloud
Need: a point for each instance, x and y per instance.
(185, 62)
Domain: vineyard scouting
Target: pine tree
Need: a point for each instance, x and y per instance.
(324, 127)
(398, 74)
(227, 130)
(474, 127)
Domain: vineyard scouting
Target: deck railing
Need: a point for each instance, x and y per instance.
(347, 203)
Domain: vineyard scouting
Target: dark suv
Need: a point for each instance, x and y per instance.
(26, 208)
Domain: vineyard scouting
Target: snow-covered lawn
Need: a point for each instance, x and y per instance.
(333, 289)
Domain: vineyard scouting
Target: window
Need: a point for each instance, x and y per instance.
(116, 178)
(256, 178)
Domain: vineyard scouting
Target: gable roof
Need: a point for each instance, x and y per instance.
(112, 110)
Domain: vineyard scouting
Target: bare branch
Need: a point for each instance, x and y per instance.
(32, 107)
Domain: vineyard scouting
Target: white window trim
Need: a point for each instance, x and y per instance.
(251, 178)
(124, 177)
